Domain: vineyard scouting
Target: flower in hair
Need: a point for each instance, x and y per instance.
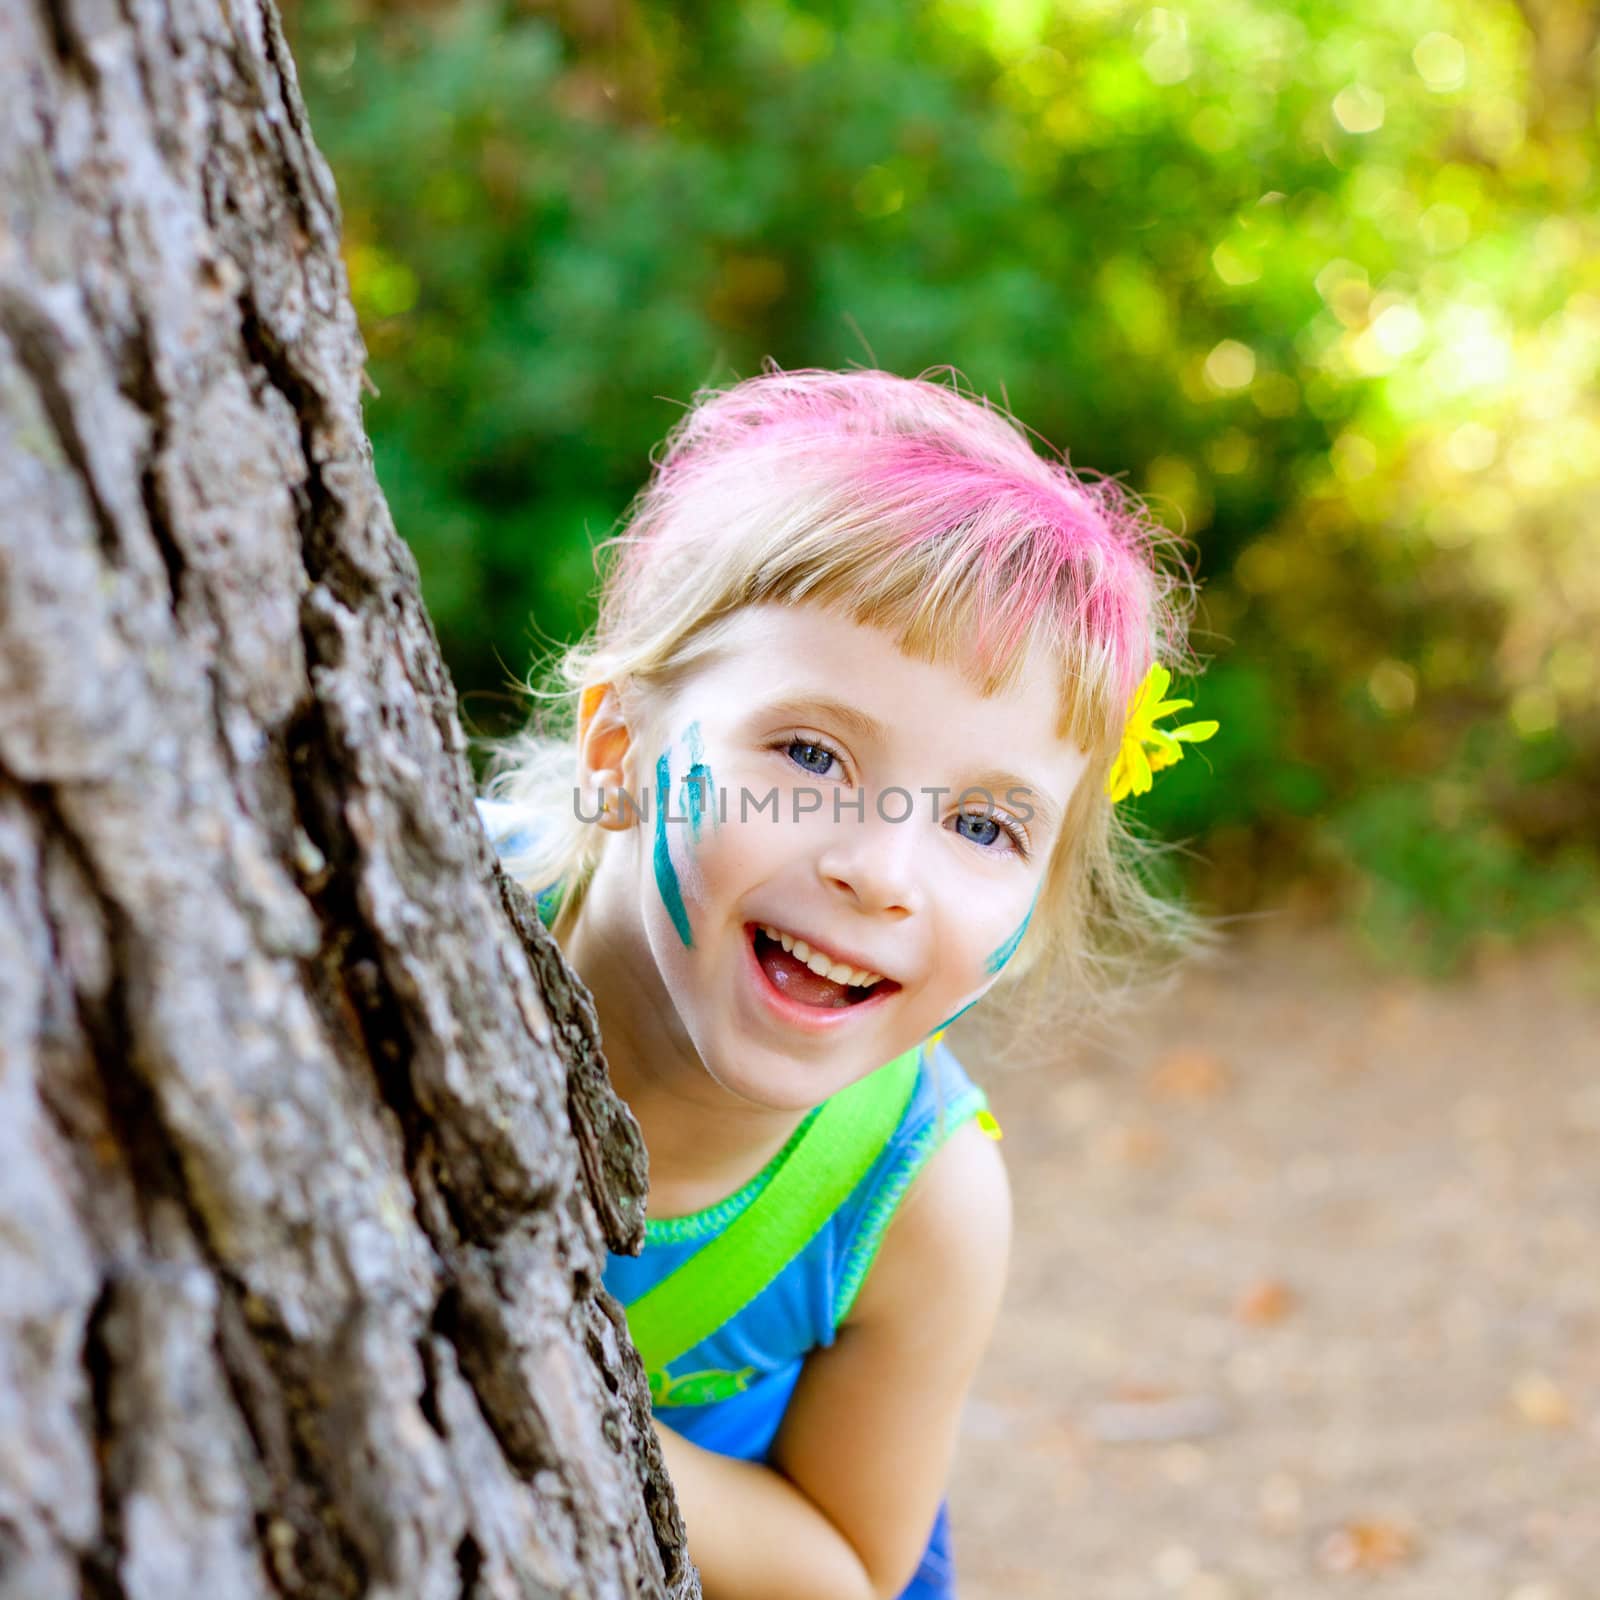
(1146, 749)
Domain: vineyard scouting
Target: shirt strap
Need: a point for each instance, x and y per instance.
(846, 1137)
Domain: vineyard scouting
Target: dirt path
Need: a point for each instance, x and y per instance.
(1306, 1298)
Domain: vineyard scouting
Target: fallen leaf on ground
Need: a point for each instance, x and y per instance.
(1366, 1547)
(1265, 1303)
(1189, 1075)
(1130, 1145)
(1539, 1401)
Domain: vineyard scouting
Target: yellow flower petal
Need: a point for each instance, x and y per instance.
(1117, 779)
(1139, 769)
(1147, 749)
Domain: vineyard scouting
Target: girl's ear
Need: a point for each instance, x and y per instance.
(605, 742)
(588, 702)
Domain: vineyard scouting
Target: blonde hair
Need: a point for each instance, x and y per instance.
(907, 505)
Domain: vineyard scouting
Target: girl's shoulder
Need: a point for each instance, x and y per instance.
(514, 833)
(945, 1107)
(942, 1227)
(509, 827)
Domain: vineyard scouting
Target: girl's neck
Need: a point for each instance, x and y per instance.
(698, 1154)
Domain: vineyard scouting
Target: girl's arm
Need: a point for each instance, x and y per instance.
(754, 1535)
(861, 1461)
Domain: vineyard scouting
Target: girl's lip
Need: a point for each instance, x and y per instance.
(814, 1019)
(830, 950)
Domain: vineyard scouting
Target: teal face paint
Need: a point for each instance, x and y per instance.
(666, 874)
(697, 785)
(996, 960)
(951, 1018)
(1003, 953)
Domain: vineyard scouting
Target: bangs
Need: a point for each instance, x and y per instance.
(998, 563)
(926, 596)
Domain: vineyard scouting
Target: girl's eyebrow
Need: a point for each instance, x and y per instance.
(996, 784)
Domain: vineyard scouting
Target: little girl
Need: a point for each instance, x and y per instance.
(868, 676)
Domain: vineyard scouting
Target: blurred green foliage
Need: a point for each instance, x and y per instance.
(1323, 282)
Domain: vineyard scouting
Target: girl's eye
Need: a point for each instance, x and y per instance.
(984, 829)
(813, 758)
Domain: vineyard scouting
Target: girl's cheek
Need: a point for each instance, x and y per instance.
(989, 968)
(736, 858)
(954, 1015)
(1003, 952)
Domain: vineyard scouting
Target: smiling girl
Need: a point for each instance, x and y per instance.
(867, 676)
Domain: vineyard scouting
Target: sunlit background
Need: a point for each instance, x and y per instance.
(1322, 281)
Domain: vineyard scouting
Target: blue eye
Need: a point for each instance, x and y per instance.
(979, 822)
(810, 749)
(983, 828)
(988, 830)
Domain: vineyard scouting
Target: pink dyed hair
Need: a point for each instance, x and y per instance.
(826, 476)
(908, 505)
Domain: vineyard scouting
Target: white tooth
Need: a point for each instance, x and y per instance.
(864, 979)
(840, 973)
(802, 951)
(786, 940)
(818, 963)
(770, 931)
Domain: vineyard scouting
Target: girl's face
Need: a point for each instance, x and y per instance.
(871, 809)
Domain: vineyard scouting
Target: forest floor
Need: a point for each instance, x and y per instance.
(1305, 1299)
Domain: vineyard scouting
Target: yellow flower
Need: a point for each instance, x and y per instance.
(1136, 765)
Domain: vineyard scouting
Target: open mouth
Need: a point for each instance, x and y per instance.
(792, 972)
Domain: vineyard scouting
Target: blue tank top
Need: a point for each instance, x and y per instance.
(729, 1392)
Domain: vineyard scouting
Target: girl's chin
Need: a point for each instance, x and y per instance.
(767, 1097)
(759, 1075)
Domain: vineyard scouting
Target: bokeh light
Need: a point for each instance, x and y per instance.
(1323, 283)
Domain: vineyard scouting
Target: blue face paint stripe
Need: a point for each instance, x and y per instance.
(1003, 953)
(952, 1017)
(666, 874)
(697, 785)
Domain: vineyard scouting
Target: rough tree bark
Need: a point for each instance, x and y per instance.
(307, 1157)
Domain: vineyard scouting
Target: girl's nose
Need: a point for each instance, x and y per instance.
(876, 863)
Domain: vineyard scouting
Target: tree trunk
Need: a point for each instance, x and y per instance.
(307, 1156)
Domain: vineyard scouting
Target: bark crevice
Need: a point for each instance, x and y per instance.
(43, 354)
(98, 1564)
